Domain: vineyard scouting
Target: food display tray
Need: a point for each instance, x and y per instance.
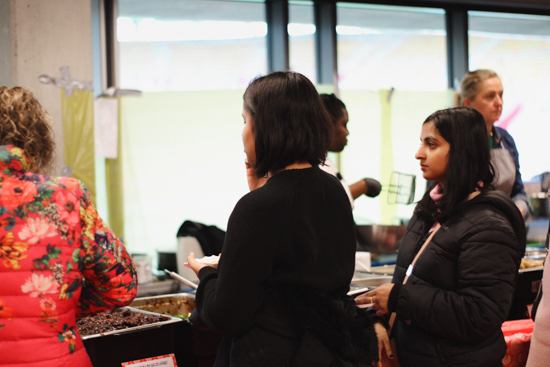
(168, 304)
(112, 348)
(135, 328)
(197, 347)
(365, 279)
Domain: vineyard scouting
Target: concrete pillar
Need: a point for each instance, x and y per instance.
(39, 37)
(5, 43)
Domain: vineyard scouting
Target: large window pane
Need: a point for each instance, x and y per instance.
(380, 48)
(173, 45)
(182, 160)
(182, 154)
(301, 32)
(517, 47)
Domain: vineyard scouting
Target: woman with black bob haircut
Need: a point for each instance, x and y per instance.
(279, 292)
(300, 130)
(458, 260)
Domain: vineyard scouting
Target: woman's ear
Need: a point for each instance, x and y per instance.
(466, 102)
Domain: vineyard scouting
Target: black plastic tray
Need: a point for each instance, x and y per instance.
(112, 348)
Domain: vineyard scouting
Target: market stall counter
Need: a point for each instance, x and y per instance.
(128, 334)
(151, 327)
(193, 346)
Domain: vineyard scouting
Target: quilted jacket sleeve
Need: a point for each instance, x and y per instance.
(486, 270)
(109, 276)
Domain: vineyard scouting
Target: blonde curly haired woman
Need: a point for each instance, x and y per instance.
(58, 259)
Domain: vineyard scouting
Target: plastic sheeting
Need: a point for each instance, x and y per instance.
(183, 157)
(384, 137)
(387, 212)
(78, 136)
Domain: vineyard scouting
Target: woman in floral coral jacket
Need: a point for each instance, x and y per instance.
(58, 259)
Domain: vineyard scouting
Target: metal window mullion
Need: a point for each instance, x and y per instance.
(325, 43)
(277, 35)
(457, 45)
(111, 43)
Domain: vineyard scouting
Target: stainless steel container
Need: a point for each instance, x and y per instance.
(169, 304)
(194, 346)
(370, 279)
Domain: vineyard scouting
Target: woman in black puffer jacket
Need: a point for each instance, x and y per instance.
(450, 311)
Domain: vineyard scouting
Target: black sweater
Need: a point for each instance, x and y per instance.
(295, 231)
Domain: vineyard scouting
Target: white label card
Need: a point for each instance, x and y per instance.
(161, 361)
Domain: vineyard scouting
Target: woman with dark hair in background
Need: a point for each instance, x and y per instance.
(482, 90)
(464, 243)
(60, 261)
(279, 293)
(339, 115)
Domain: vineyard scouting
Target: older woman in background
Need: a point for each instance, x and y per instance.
(482, 90)
(59, 260)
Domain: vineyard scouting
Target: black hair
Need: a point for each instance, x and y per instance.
(290, 122)
(469, 160)
(334, 106)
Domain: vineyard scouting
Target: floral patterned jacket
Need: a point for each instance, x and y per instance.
(58, 261)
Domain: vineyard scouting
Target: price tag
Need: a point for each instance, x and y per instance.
(168, 360)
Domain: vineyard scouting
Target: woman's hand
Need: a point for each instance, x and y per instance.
(194, 264)
(384, 345)
(378, 297)
(253, 181)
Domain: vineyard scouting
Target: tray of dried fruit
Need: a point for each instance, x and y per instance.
(128, 334)
(121, 320)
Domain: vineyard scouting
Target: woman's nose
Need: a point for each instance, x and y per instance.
(419, 154)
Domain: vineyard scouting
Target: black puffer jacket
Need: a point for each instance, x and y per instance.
(450, 311)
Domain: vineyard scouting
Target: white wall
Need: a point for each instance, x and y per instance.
(43, 37)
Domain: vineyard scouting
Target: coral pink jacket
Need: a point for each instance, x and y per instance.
(58, 261)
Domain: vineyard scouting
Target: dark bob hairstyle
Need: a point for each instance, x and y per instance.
(469, 159)
(335, 107)
(290, 122)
